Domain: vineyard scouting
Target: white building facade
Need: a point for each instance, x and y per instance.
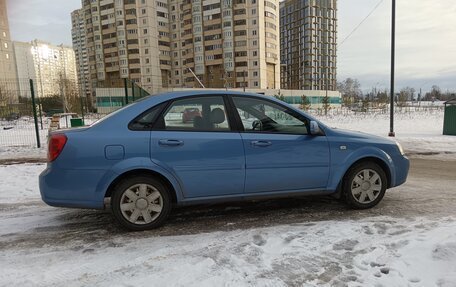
(48, 65)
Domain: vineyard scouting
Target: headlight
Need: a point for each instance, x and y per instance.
(400, 148)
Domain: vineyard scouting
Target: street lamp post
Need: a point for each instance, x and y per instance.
(393, 44)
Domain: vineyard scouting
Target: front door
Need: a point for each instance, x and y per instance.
(280, 154)
(194, 140)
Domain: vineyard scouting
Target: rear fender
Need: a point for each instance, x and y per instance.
(132, 164)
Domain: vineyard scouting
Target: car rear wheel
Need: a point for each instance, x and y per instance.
(365, 185)
(140, 203)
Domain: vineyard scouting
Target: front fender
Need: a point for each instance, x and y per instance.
(341, 162)
(131, 164)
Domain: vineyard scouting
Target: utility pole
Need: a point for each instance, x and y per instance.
(244, 80)
(126, 90)
(62, 92)
(393, 45)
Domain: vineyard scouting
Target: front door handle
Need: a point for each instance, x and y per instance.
(261, 143)
(170, 142)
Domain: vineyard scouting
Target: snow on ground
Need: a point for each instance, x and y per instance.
(370, 252)
(19, 183)
(23, 152)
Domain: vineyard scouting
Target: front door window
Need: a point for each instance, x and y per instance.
(266, 117)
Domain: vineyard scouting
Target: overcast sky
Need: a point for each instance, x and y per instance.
(426, 38)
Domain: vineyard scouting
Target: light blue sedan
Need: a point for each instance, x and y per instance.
(146, 158)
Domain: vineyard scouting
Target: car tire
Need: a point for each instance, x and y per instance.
(140, 203)
(364, 185)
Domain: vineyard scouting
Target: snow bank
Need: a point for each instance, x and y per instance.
(370, 252)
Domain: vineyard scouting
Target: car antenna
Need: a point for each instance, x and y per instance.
(196, 78)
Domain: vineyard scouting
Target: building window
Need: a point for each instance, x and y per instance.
(254, 32)
(255, 42)
(7, 56)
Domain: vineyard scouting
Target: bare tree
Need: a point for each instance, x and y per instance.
(434, 94)
(69, 95)
(6, 95)
(406, 94)
(326, 104)
(350, 90)
(381, 99)
(280, 96)
(305, 103)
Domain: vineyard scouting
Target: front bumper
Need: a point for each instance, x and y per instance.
(402, 166)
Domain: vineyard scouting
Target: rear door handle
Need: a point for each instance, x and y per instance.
(261, 143)
(170, 142)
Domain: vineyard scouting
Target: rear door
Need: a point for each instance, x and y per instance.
(280, 154)
(200, 147)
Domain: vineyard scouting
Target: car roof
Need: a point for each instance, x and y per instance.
(188, 93)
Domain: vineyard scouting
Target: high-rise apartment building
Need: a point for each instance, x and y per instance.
(25, 66)
(8, 75)
(167, 44)
(80, 49)
(51, 67)
(308, 44)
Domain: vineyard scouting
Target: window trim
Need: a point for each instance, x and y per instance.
(160, 107)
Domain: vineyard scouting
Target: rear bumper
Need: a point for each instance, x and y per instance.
(71, 188)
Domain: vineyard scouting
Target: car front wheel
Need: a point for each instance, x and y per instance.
(365, 185)
(140, 203)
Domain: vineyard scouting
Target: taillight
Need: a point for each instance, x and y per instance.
(56, 144)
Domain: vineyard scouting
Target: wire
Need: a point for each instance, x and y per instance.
(361, 23)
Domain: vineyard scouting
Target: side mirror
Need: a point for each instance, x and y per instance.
(315, 128)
